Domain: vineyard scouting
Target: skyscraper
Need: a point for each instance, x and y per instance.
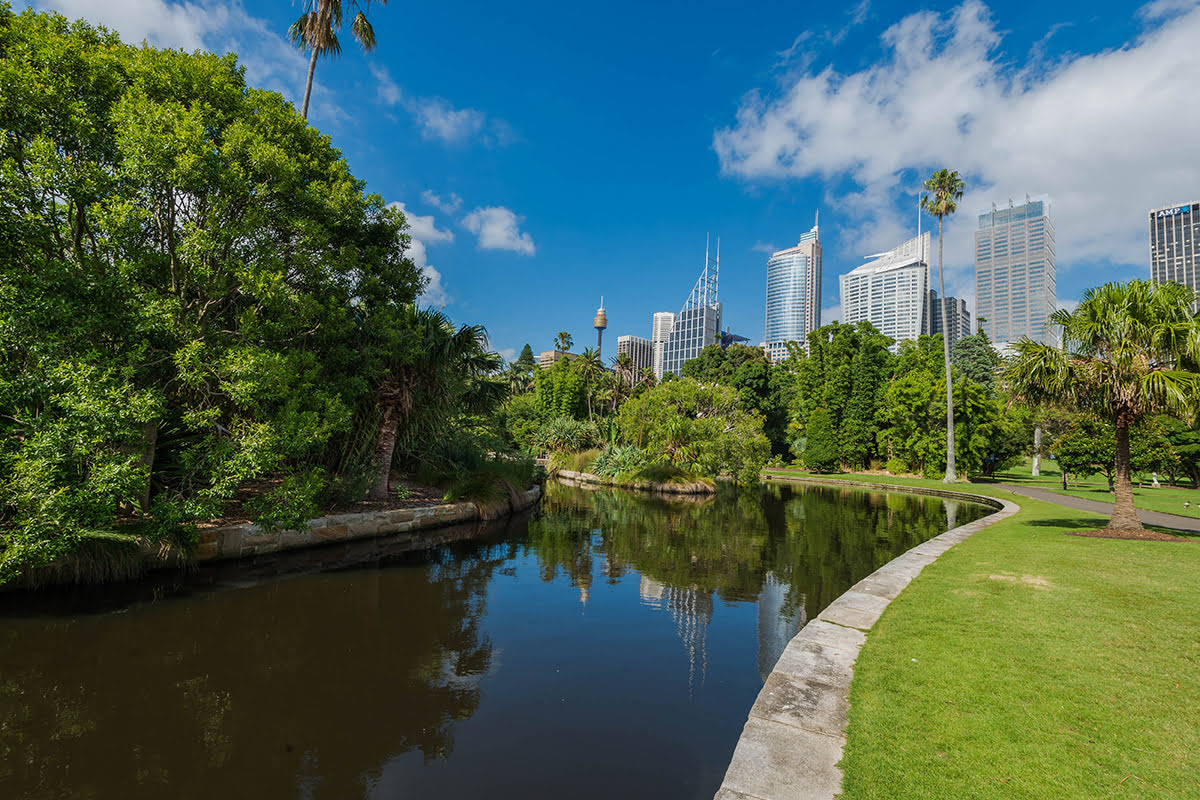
(793, 294)
(699, 322)
(956, 309)
(891, 292)
(1174, 239)
(664, 322)
(639, 349)
(1015, 273)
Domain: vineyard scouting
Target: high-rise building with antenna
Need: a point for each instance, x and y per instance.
(699, 323)
(793, 294)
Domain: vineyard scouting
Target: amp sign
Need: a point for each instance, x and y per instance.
(1170, 212)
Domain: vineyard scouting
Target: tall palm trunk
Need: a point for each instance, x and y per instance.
(312, 67)
(951, 473)
(385, 447)
(1124, 515)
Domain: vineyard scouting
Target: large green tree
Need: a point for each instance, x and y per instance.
(317, 31)
(195, 292)
(1129, 350)
(945, 189)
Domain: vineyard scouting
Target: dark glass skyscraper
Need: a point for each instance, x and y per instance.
(1016, 273)
(1174, 237)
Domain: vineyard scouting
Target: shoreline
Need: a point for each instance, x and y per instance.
(795, 732)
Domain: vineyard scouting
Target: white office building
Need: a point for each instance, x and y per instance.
(640, 350)
(793, 295)
(891, 292)
(664, 323)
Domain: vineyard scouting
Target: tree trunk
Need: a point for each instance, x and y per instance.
(1037, 450)
(1064, 480)
(149, 441)
(1124, 515)
(312, 67)
(951, 473)
(385, 446)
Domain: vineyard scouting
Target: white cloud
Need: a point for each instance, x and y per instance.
(831, 314)
(507, 353)
(1069, 305)
(764, 247)
(498, 228)
(423, 231)
(1106, 135)
(1160, 9)
(439, 120)
(447, 205)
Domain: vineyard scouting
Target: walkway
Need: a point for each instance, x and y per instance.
(1079, 504)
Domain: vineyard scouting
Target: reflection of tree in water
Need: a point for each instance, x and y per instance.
(299, 687)
(791, 550)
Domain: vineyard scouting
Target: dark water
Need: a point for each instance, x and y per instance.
(609, 646)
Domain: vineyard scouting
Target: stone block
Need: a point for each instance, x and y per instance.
(855, 609)
(884, 583)
(832, 666)
(331, 533)
(804, 702)
(365, 528)
(774, 761)
(209, 536)
(206, 551)
(400, 515)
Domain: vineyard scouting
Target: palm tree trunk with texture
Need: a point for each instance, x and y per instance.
(1124, 515)
(951, 473)
(312, 67)
(385, 447)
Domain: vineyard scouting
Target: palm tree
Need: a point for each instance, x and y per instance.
(317, 28)
(945, 189)
(563, 341)
(623, 366)
(590, 364)
(1128, 351)
(440, 371)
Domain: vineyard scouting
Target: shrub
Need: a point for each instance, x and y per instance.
(820, 447)
(567, 434)
(575, 462)
(618, 461)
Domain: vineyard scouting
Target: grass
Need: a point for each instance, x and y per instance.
(1024, 663)
(1167, 499)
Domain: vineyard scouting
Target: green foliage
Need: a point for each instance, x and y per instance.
(566, 434)
(976, 359)
(194, 292)
(575, 461)
(561, 390)
(619, 461)
(845, 373)
(1184, 442)
(522, 417)
(699, 428)
(820, 445)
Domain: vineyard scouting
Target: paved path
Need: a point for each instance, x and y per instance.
(1147, 517)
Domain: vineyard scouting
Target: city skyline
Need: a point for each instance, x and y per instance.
(518, 164)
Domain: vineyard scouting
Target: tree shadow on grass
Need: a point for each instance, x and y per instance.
(1070, 524)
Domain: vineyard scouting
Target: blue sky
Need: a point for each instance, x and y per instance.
(550, 153)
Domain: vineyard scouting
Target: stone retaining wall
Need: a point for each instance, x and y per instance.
(246, 540)
(793, 738)
(699, 487)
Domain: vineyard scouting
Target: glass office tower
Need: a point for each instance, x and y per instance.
(1174, 236)
(793, 295)
(1015, 273)
(891, 292)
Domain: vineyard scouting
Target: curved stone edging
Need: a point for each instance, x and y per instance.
(246, 540)
(699, 487)
(796, 730)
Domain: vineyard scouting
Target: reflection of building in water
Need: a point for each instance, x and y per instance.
(776, 625)
(692, 611)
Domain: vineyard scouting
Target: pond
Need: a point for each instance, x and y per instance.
(609, 645)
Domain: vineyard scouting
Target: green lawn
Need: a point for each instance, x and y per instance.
(1025, 663)
(1168, 499)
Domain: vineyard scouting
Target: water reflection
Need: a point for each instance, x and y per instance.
(612, 634)
(791, 551)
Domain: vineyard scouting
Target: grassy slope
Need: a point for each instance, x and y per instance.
(1029, 664)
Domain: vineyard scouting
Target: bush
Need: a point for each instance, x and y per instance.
(619, 461)
(567, 434)
(575, 462)
(820, 447)
(896, 467)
